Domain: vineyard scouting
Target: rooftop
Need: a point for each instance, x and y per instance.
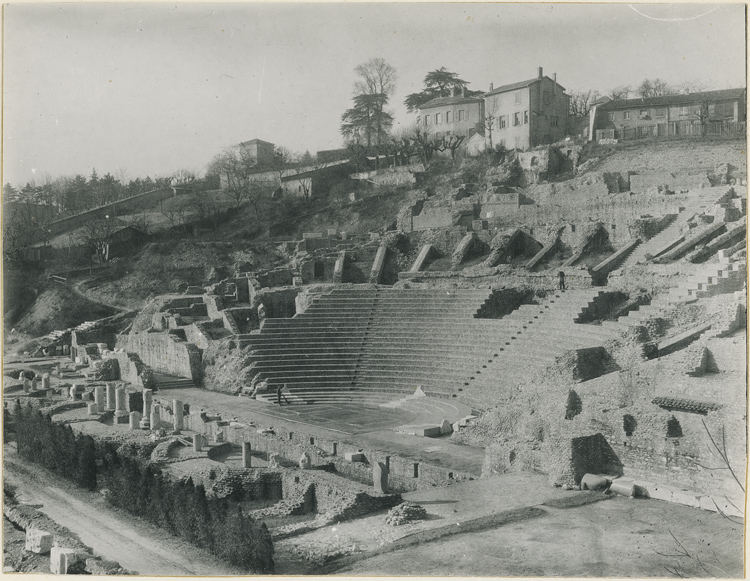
(520, 85)
(441, 101)
(666, 100)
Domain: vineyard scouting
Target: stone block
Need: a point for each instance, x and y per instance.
(197, 443)
(687, 498)
(728, 508)
(623, 486)
(380, 477)
(39, 541)
(333, 233)
(45, 381)
(446, 427)
(594, 482)
(642, 488)
(135, 420)
(661, 492)
(707, 503)
(354, 457)
(93, 409)
(427, 431)
(60, 559)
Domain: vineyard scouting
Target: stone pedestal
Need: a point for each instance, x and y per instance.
(197, 443)
(380, 477)
(121, 413)
(110, 396)
(27, 385)
(246, 457)
(135, 420)
(155, 416)
(99, 398)
(93, 409)
(34, 384)
(177, 414)
(148, 398)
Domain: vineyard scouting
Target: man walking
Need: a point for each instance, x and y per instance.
(561, 279)
(279, 395)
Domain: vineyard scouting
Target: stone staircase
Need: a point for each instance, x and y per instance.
(672, 235)
(726, 276)
(164, 381)
(542, 333)
(379, 346)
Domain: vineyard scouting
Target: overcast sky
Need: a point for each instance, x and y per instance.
(151, 89)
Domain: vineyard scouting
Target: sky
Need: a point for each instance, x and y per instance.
(150, 89)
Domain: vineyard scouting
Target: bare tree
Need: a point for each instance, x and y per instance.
(691, 86)
(580, 102)
(654, 88)
(97, 236)
(620, 93)
(235, 166)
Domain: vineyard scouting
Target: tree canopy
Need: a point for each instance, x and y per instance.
(437, 83)
(368, 119)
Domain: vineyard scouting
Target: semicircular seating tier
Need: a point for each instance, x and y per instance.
(381, 345)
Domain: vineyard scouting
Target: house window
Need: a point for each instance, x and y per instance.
(525, 117)
(684, 111)
(516, 119)
(643, 114)
(546, 97)
(461, 115)
(554, 121)
(518, 97)
(438, 118)
(503, 120)
(449, 116)
(660, 112)
(419, 119)
(611, 116)
(626, 114)
(426, 119)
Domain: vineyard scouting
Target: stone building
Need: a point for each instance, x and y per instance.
(706, 113)
(455, 115)
(261, 151)
(528, 113)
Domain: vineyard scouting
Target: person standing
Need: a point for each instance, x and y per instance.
(561, 280)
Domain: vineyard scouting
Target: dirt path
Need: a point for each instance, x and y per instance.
(113, 536)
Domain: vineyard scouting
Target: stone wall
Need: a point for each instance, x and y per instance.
(279, 303)
(166, 353)
(405, 474)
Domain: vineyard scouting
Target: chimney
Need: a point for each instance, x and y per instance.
(554, 84)
(491, 86)
(541, 73)
(463, 91)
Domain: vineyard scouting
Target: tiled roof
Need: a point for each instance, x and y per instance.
(256, 141)
(440, 101)
(687, 405)
(519, 85)
(667, 100)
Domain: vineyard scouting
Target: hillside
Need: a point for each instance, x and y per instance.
(248, 239)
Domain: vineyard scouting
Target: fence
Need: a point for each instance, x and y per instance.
(693, 128)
